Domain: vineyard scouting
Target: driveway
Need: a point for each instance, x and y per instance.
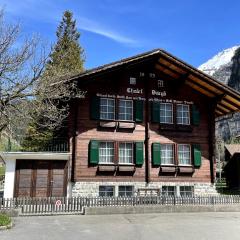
(181, 226)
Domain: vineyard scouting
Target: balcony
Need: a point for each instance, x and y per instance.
(54, 145)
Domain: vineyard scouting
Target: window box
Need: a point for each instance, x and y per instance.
(186, 169)
(126, 125)
(168, 169)
(126, 168)
(106, 168)
(107, 124)
(166, 127)
(184, 128)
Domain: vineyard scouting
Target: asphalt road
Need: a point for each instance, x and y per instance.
(187, 226)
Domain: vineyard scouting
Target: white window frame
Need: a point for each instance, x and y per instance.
(132, 81)
(106, 186)
(190, 155)
(163, 157)
(107, 112)
(179, 119)
(125, 114)
(160, 83)
(125, 191)
(166, 191)
(106, 155)
(164, 116)
(119, 160)
(186, 193)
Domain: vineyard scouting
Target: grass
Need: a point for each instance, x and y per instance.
(4, 220)
(2, 171)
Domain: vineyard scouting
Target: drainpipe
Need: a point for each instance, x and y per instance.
(74, 140)
(146, 141)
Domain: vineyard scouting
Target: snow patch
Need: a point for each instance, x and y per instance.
(222, 58)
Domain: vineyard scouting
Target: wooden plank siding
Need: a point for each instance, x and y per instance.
(116, 83)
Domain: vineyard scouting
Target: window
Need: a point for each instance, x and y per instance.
(167, 154)
(107, 109)
(160, 83)
(184, 154)
(106, 191)
(183, 115)
(125, 153)
(186, 191)
(166, 113)
(132, 81)
(125, 110)
(106, 152)
(168, 190)
(125, 191)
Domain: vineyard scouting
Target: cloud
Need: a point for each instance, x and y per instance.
(94, 27)
(33, 10)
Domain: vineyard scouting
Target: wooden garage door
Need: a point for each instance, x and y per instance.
(39, 178)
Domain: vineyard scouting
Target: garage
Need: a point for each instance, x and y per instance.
(40, 178)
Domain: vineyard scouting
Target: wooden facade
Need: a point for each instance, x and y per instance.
(159, 78)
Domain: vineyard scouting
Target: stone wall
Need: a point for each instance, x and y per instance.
(91, 189)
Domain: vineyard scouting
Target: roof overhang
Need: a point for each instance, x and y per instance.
(227, 100)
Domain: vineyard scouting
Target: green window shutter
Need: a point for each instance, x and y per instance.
(95, 108)
(139, 148)
(155, 112)
(138, 110)
(197, 156)
(156, 154)
(195, 115)
(94, 152)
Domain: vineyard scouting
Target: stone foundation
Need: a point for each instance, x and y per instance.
(91, 189)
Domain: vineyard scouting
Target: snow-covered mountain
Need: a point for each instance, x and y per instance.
(220, 65)
(225, 67)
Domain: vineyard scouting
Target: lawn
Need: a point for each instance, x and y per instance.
(2, 170)
(4, 220)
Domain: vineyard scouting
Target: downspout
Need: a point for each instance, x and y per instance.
(211, 140)
(74, 141)
(146, 141)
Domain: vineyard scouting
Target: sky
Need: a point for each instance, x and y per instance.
(192, 30)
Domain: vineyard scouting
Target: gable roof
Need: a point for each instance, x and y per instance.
(227, 99)
(233, 148)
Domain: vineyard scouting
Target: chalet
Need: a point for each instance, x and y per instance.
(145, 126)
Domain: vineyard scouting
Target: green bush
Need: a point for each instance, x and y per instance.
(4, 220)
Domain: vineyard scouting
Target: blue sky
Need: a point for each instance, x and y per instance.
(192, 30)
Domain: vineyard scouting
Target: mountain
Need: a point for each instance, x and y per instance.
(225, 67)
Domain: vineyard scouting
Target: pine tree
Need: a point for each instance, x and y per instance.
(67, 56)
(66, 59)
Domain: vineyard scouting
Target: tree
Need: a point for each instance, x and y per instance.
(67, 55)
(21, 65)
(50, 108)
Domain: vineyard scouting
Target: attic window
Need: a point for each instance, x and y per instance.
(132, 81)
(160, 83)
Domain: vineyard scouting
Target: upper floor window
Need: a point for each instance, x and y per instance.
(107, 109)
(126, 153)
(167, 154)
(166, 113)
(183, 114)
(184, 154)
(160, 83)
(125, 111)
(132, 81)
(106, 152)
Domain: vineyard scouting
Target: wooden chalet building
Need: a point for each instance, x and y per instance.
(146, 126)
